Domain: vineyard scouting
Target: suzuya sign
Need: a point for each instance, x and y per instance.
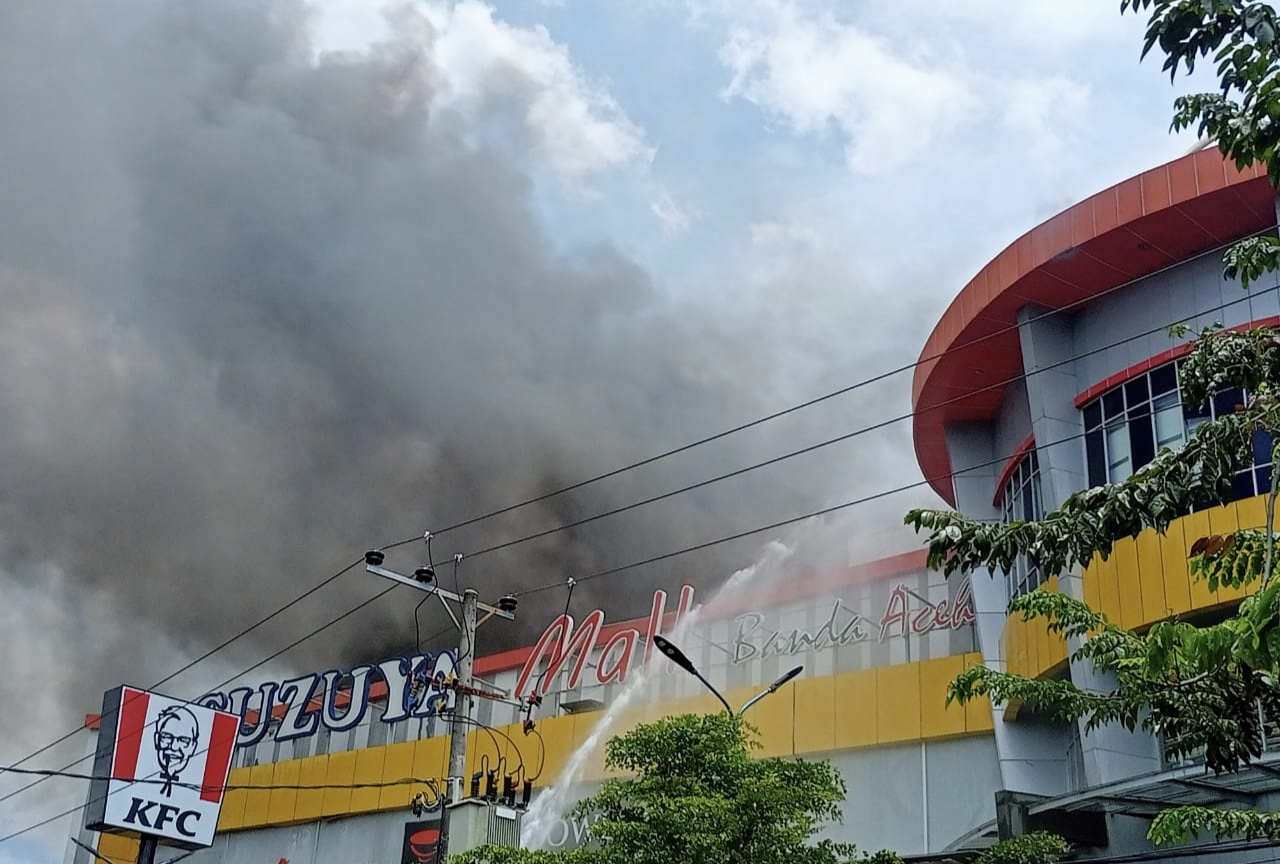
(160, 769)
(905, 614)
(301, 706)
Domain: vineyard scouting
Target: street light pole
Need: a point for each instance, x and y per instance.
(676, 656)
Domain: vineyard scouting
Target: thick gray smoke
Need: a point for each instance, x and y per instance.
(262, 312)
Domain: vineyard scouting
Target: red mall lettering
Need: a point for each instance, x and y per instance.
(562, 643)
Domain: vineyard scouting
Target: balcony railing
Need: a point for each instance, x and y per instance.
(1270, 743)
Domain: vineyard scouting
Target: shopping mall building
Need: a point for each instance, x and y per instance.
(1051, 371)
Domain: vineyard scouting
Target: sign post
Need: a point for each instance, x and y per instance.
(147, 849)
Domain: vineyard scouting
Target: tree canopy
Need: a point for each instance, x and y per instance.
(693, 794)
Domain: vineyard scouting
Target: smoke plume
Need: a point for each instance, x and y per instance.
(263, 311)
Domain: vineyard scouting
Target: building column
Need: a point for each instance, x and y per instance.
(1048, 352)
(1032, 757)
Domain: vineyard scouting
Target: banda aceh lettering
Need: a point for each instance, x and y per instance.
(421, 686)
(844, 626)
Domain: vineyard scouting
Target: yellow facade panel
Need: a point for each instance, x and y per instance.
(338, 779)
(815, 705)
(312, 772)
(583, 725)
(1223, 521)
(431, 759)
(257, 802)
(1109, 589)
(773, 717)
(937, 719)
(118, 849)
(1150, 566)
(280, 810)
(1194, 527)
(231, 816)
(1177, 578)
(397, 764)
(898, 703)
(552, 747)
(855, 709)
(977, 713)
(1125, 555)
(1092, 589)
(366, 791)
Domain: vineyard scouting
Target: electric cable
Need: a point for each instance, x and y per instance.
(882, 424)
(671, 493)
(866, 382)
(611, 571)
(226, 787)
(661, 456)
(675, 451)
(206, 655)
(542, 763)
(561, 646)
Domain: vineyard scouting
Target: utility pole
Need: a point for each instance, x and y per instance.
(147, 849)
(462, 695)
(424, 580)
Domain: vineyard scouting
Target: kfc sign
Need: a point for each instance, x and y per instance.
(563, 646)
(160, 769)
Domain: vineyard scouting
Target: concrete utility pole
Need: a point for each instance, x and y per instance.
(462, 696)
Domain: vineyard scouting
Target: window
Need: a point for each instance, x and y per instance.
(1129, 424)
(1021, 501)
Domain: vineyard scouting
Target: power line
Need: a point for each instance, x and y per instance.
(614, 570)
(226, 787)
(644, 502)
(206, 655)
(882, 424)
(866, 382)
(675, 451)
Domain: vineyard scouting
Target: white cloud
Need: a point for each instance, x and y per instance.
(815, 72)
(482, 66)
(574, 123)
(890, 96)
(676, 215)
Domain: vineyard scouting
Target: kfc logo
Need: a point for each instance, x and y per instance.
(177, 734)
(163, 766)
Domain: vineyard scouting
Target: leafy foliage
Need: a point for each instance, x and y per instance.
(695, 794)
(1183, 824)
(1038, 847)
(1241, 38)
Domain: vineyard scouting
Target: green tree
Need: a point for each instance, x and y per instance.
(1199, 686)
(1038, 847)
(693, 794)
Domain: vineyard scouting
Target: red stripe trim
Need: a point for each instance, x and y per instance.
(222, 740)
(806, 586)
(1113, 381)
(133, 721)
(1012, 465)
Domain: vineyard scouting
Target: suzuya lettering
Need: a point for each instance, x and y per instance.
(413, 687)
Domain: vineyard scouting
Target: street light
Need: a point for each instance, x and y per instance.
(676, 656)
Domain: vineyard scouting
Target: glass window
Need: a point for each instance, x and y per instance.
(1129, 424)
(1022, 501)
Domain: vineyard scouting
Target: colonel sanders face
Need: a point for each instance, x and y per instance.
(177, 734)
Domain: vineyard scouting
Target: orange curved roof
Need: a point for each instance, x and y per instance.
(1131, 230)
